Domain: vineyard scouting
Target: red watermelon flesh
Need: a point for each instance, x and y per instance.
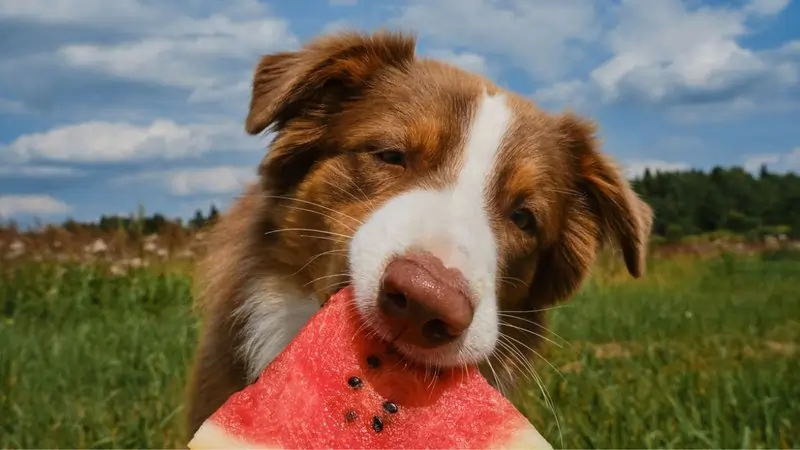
(335, 386)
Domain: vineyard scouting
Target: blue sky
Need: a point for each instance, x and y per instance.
(108, 104)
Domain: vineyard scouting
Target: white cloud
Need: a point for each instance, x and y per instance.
(212, 57)
(537, 36)
(210, 54)
(781, 162)
(343, 2)
(791, 47)
(72, 11)
(127, 15)
(192, 181)
(31, 204)
(9, 170)
(571, 92)
(469, 61)
(214, 180)
(793, 159)
(636, 168)
(754, 162)
(121, 141)
(672, 53)
(663, 47)
(766, 7)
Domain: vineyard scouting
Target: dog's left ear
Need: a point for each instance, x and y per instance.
(605, 208)
(621, 215)
(321, 74)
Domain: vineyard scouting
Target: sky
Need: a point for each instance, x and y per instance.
(107, 105)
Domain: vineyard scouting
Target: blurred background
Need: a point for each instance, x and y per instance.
(122, 140)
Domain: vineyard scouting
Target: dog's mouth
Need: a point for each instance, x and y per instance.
(406, 340)
(436, 357)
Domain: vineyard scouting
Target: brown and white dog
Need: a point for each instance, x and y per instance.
(456, 209)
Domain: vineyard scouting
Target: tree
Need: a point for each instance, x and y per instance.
(213, 214)
(198, 221)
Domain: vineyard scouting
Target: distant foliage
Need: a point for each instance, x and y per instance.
(727, 203)
(724, 199)
(143, 224)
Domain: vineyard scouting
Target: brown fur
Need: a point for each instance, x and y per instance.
(344, 97)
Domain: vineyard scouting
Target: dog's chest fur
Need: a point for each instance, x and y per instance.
(272, 313)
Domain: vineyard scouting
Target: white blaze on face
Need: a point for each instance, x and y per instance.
(452, 224)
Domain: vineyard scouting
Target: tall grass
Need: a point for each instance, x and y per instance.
(700, 353)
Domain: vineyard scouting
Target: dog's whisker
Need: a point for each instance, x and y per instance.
(496, 379)
(333, 275)
(525, 365)
(533, 322)
(355, 185)
(350, 194)
(308, 230)
(508, 282)
(527, 368)
(324, 238)
(529, 311)
(330, 286)
(361, 327)
(531, 332)
(503, 354)
(280, 197)
(531, 349)
(511, 281)
(321, 214)
(337, 252)
(542, 387)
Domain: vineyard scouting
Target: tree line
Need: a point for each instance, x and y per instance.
(144, 224)
(686, 203)
(724, 199)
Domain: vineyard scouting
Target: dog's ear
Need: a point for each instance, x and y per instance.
(604, 209)
(287, 84)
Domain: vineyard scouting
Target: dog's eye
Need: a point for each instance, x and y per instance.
(393, 157)
(524, 220)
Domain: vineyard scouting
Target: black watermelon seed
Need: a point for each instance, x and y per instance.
(351, 416)
(373, 361)
(355, 382)
(390, 407)
(377, 424)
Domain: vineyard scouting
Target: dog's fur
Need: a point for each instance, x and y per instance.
(378, 152)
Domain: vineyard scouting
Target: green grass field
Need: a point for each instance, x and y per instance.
(699, 354)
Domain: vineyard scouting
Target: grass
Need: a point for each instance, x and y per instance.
(702, 353)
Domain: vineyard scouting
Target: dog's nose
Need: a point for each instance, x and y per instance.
(423, 302)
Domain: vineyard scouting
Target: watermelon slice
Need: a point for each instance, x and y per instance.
(334, 386)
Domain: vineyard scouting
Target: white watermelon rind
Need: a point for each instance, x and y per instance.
(212, 436)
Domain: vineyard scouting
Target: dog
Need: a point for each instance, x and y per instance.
(458, 211)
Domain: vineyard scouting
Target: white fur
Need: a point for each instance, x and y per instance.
(272, 314)
(453, 225)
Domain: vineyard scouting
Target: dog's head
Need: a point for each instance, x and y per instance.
(457, 210)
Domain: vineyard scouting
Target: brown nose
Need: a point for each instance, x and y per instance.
(423, 302)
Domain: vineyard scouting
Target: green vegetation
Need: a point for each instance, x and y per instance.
(700, 353)
(697, 202)
(723, 202)
(91, 360)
